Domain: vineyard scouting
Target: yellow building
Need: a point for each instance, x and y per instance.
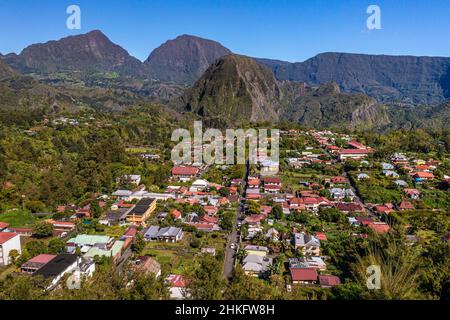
(141, 211)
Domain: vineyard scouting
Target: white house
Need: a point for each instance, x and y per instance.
(362, 176)
(198, 185)
(269, 167)
(8, 241)
(390, 173)
(58, 267)
(133, 178)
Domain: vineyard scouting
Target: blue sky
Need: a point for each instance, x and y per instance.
(287, 30)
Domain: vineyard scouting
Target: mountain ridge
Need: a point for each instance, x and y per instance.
(406, 79)
(237, 89)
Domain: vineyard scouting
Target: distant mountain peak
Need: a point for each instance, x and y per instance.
(183, 59)
(92, 52)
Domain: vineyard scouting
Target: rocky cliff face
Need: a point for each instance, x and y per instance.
(387, 78)
(326, 106)
(237, 89)
(234, 89)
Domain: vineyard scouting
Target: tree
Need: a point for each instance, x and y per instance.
(347, 291)
(205, 280)
(56, 246)
(42, 229)
(253, 207)
(226, 222)
(95, 210)
(13, 255)
(195, 243)
(23, 287)
(146, 287)
(34, 248)
(138, 245)
(277, 212)
(244, 287)
(224, 192)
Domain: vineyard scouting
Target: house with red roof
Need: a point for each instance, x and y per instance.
(422, 167)
(405, 205)
(177, 284)
(175, 214)
(413, 193)
(255, 219)
(130, 233)
(253, 183)
(253, 196)
(265, 210)
(272, 188)
(383, 209)
(209, 219)
(210, 210)
(36, 263)
(329, 281)
(184, 172)
(272, 181)
(297, 204)
(3, 226)
(9, 241)
(338, 180)
(305, 276)
(321, 236)
(349, 207)
(311, 204)
(224, 202)
(63, 226)
(354, 154)
(379, 227)
(333, 149)
(356, 145)
(423, 176)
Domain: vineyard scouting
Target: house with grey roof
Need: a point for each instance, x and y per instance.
(256, 265)
(362, 176)
(339, 193)
(167, 234)
(390, 173)
(307, 243)
(401, 183)
(387, 166)
(151, 233)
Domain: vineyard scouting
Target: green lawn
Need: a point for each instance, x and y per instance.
(138, 150)
(18, 218)
(179, 256)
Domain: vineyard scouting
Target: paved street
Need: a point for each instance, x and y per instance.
(234, 237)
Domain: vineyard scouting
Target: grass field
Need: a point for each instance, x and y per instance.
(138, 150)
(18, 218)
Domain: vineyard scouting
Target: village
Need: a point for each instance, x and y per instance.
(325, 184)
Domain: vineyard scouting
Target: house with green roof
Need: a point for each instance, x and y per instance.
(114, 252)
(85, 242)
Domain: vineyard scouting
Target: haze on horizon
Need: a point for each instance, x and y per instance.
(284, 30)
